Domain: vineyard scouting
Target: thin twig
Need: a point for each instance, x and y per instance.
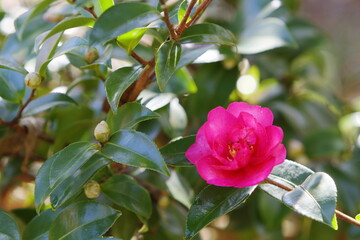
(166, 19)
(18, 115)
(91, 11)
(139, 59)
(199, 11)
(338, 213)
(182, 26)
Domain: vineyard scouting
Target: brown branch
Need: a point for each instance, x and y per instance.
(338, 213)
(18, 115)
(199, 11)
(182, 26)
(139, 59)
(91, 11)
(166, 19)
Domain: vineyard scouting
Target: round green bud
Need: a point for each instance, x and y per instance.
(102, 132)
(33, 80)
(92, 189)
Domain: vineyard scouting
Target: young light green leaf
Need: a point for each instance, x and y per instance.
(182, 9)
(59, 167)
(181, 83)
(315, 198)
(12, 86)
(38, 227)
(124, 191)
(74, 183)
(213, 202)
(118, 81)
(83, 220)
(166, 61)
(174, 152)
(12, 65)
(9, 230)
(288, 173)
(46, 52)
(208, 33)
(30, 15)
(131, 39)
(128, 115)
(46, 102)
(67, 23)
(264, 35)
(102, 6)
(122, 18)
(133, 148)
(358, 217)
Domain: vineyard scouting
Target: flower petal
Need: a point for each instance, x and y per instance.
(200, 149)
(263, 116)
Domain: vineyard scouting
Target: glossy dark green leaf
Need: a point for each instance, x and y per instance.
(264, 35)
(208, 33)
(30, 15)
(9, 230)
(166, 61)
(213, 202)
(84, 220)
(126, 192)
(181, 83)
(12, 65)
(12, 85)
(67, 23)
(74, 183)
(315, 198)
(59, 167)
(288, 173)
(46, 52)
(188, 55)
(38, 227)
(174, 152)
(135, 149)
(128, 115)
(122, 18)
(118, 81)
(46, 102)
(131, 39)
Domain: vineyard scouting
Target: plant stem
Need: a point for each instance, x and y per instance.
(167, 20)
(182, 26)
(338, 213)
(199, 11)
(18, 115)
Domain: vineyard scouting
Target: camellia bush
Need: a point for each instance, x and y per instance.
(162, 119)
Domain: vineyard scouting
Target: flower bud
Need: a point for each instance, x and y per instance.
(164, 201)
(91, 55)
(229, 63)
(102, 132)
(92, 189)
(33, 80)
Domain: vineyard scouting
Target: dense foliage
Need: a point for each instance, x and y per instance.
(100, 99)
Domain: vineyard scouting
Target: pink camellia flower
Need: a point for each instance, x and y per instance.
(237, 146)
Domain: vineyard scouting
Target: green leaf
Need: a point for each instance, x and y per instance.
(131, 39)
(180, 189)
(46, 102)
(70, 45)
(288, 173)
(189, 55)
(74, 183)
(135, 149)
(12, 65)
(125, 192)
(208, 33)
(118, 81)
(12, 86)
(264, 35)
(358, 217)
(67, 23)
(213, 202)
(181, 83)
(174, 152)
(167, 59)
(122, 18)
(315, 198)
(102, 6)
(9, 230)
(128, 115)
(30, 15)
(84, 220)
(38, 227)
(59, 167)
(46, 52)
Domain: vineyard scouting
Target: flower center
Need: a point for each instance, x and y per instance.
(243, 146)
